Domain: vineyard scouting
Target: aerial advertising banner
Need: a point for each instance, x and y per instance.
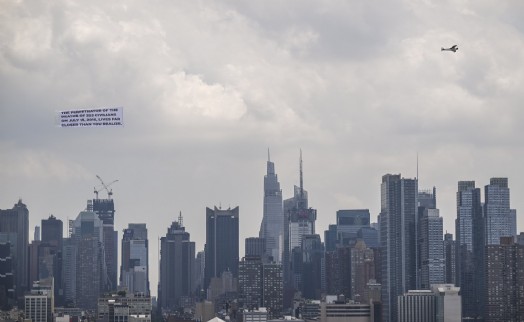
(96, 117)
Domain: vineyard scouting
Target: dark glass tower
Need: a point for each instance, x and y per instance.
(177, 257)
(105, 209)
(222, 244)
(398, 222)
(14, 229)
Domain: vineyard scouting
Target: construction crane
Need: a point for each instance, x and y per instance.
(104, 186)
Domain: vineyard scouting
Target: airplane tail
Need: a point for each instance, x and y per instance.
(441, 48)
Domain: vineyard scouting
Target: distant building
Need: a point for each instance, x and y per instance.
(432, 269)
(338, 309)
(51, 257)
(7, 288)
(272, 226)
(417, 306)
(134, 270)
(105, 210)
(498, 216)
(14, 229)
(449, 307)
(504, 293)
(362, 271)
(449, 259)
(255, 246)
(258, 315)
(222, 243)
(349, 222)
(250, 283)
(124, 307)
(39, 304)
(398, 242)
(177, 254)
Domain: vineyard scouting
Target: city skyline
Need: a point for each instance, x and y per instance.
(361, 88)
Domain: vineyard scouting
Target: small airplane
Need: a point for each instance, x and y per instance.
(453, 48)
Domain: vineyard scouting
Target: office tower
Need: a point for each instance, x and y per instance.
(362, 271)
(134, 270)
(398, 222)
(349, 222)
(272, 289)
(7, 289)
(91, 274)
(177, 255)
(330, 238)
(299, 221)
(431, 252)
(272, 227)
(417, 306)
(338, 271)
(370, 236)
(448, 303)
(69, 252)
(14, 229)
(36, 237)
(312, 254)
(504, 292)
(53, 232)
(449, 259)
(255, 246)
(222, 247)
(499, 218)
(105, 209)
(199, 272)
(469, 246)
(250, 282)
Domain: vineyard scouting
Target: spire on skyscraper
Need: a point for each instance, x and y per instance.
(180, 219)
(301, 177)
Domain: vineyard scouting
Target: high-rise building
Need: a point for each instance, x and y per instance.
(255, 246)
(134, 270)
(398, 222)
(338, 271)
(504, 292)
(91, 274)
(50, 261)
(177, 255)
(250, 282)
(417, 306)
(449, 259)
(449, 308)
(499, 218)
(349, 222)
(39, 304)
(105, 209)
(124, 307)
(432, 270)
(7, 289)
(272, 227)
(469, 248)
(362, 271)
(222, 244)
(272, 289)
(299, 221)
(199, 272)
(14, 229)
(311, 273)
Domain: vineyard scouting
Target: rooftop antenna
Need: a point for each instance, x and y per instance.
(268, 156)
(180, 220)
(417, 166)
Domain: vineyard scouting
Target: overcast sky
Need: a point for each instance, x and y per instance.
(208, 86)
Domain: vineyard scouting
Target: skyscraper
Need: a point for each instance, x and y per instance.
(134, 270)
(250, 282)
(362, 271)
(312, 254)
(299, 222)
(432, 270)
(177, 255)
(50, 263)
(272, 227)
(222, 244)
(349, 222)
(398, 222)
(504, 292)
(469, 247)
(449, 259)
(14, 229)
(90, 269)
(105, 209)
(498, 216)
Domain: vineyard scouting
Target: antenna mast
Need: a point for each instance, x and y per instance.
(301, 177)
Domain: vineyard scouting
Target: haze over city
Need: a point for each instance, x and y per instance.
(207, 88)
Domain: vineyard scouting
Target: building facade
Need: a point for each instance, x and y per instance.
(134, 269)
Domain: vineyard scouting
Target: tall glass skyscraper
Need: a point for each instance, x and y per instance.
(499, 218)
(222, 245)
(134, 269)
(398, 222)
(272, 227)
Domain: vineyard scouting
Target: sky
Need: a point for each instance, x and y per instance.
(207, 87)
